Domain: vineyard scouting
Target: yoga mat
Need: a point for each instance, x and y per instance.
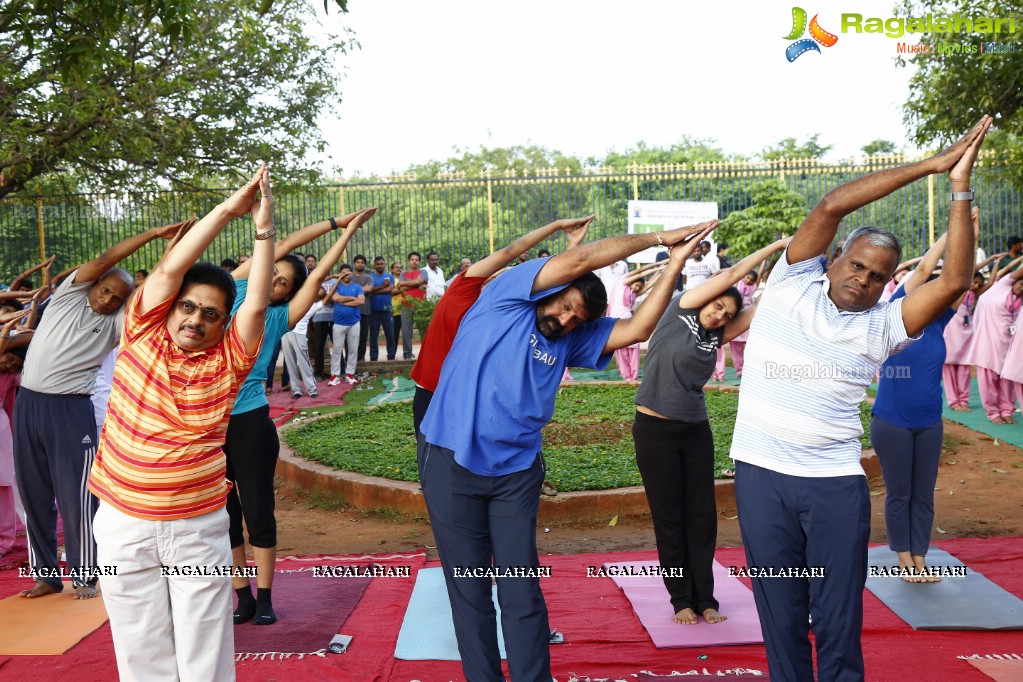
(745, 675)
(652, 605)
(428, 630)
(999, 670)
(48, 625)
(310, 611)
(396, 389)
(956, 603)
(978, 421)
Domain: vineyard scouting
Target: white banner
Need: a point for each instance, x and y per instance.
(654, 216)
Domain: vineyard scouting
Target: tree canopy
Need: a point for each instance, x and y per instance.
(948, 94)
(879, 146)
(773, 210)
(789, 148)
(121, 95)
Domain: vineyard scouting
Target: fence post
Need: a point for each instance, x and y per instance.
(341, 195)
(490, 208)
(930, 210)
(42, 238)
(634, 171)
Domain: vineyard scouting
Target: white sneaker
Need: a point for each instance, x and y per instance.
(350, 379)
(334, 380)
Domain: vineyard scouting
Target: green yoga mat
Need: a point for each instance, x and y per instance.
(396, 389)
(978, 421)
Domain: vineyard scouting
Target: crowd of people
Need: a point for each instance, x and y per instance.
(157, 424)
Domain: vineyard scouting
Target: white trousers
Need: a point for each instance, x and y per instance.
(295, 347)
(167, 628)
(346, 338)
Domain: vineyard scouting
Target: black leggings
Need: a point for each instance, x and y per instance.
(676, 461)
(252, 448)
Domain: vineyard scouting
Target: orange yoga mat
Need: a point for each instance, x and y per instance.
(49, 625)
(1000, 670)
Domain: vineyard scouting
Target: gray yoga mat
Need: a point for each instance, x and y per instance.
(970, 602)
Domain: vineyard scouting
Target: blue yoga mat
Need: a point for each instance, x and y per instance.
(428, 631)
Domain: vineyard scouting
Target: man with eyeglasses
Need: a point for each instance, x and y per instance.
(55, 430)
(160, 472)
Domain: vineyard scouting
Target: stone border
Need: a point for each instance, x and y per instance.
(371, 492)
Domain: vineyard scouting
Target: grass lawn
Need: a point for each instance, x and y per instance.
(588, 444)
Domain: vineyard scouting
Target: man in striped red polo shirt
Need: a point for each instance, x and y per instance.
(160, 469)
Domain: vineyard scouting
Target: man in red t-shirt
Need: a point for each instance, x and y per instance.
(412, 285)
(463, 291)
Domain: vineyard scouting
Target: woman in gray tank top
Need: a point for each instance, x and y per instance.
(674, 445)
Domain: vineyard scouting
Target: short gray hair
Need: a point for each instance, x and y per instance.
(875, 236)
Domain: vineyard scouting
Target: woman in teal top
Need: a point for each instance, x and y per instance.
(252, 445)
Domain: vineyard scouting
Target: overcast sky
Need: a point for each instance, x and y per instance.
(587, 76)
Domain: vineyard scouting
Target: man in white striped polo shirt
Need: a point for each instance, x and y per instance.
(814, 346)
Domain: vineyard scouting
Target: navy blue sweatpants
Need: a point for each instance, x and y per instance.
(909, 463)
(793, 522)
(483, 521)
(54, 445)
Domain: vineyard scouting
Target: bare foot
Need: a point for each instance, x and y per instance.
(907, 567)
(921, 568)
(85, 592)
(686, 617)
(961, 408)
(997, 420)
(1008, 420)
(712, 616)
(39, 590)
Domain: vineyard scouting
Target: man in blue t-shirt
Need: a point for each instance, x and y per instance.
(348, 298)
(479, 454)
(380, 310)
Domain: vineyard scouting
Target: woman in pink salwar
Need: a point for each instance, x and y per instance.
(995, 322)
(955, 375)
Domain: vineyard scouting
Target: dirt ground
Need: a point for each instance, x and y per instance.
(971, 500)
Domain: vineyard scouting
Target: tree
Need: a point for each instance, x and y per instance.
(788, 148)
(775, 210)
(688, 150)
(119, 96)
(523, 159)
(948, 94)
(879, 147)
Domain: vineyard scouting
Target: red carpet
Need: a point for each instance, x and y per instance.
(603, 637)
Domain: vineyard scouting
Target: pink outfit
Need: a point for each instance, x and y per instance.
(738, 344)
(996, 311)
(958, 336)
(8, 489)
(956, 379)
(620, 306)
(719, 366)
(996, 394)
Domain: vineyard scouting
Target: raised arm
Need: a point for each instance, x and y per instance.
(32, 270)
(924, 304)
(298, 239)
(95, 268)
(574, 263)
(165, 279)
(251, 315)
(303, 300)
(574, 228)
(820, 227)
(928, 262)
(641, 325)
(642, 271)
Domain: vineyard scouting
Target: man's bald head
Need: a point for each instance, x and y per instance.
(111, 291)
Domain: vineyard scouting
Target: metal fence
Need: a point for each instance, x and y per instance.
(461, 217)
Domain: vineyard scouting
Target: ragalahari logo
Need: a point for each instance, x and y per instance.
(818, 35)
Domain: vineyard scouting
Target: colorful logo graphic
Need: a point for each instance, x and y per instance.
(817, 35)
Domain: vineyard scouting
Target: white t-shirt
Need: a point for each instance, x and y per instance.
(697, 272)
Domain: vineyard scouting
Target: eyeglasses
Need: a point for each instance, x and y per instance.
(187, 308)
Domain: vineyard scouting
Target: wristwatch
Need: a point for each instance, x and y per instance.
(963, 196)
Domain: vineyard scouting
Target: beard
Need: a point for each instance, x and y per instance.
(548, 326)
